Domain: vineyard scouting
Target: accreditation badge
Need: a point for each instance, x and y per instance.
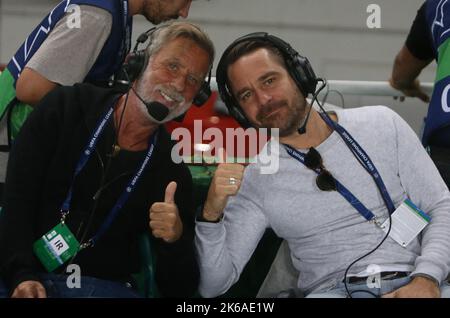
(56, 247)
(407, 222)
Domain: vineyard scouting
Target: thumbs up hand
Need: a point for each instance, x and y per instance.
(225, 183)
(165, 222)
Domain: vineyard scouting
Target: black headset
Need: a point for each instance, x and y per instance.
(137, 61)
(298, 67)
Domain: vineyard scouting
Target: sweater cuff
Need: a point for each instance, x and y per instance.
(429, 270)
(199, 216)
(434, 280)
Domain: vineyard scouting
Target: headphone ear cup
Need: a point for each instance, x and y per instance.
(203, 95)
(304, 75)
(310, 76)
(135, 65)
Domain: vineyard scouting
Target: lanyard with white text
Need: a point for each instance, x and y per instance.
(127, 192)
(366, 213)
(363, 158)
(86, 154)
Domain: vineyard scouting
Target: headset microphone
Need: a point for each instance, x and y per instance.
(302, 129)
(156, 110)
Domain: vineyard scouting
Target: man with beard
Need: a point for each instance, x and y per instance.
(348, 195)
(91, 172)
(78, 41)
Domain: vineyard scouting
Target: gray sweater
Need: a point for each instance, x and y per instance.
(324, 232)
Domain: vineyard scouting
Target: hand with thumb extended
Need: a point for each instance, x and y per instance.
(171, 188)
(165, 221)
(225, 183)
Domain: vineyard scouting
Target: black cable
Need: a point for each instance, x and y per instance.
(100, 190)
(316, 95)
(104, 174)
(100, 160)
(108, 165)
(130, 86)
(364, 256)
(325, 98)
(373, 250)
(302, 129)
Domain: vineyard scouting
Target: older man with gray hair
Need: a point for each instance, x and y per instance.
(91, 171)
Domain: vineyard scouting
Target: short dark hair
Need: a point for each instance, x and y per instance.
(251, 46)
(247, 47)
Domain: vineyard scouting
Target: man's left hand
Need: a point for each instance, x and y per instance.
(165, 221)
(419, 287)
(412, 90)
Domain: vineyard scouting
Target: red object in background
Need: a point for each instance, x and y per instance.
(210, 118)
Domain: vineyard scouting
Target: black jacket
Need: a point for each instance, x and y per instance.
(40, 172)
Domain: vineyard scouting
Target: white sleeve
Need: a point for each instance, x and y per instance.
(224, 248)
(425, 187)
(69, 52)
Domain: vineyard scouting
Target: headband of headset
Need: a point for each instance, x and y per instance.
(297, 66)
(137, 62)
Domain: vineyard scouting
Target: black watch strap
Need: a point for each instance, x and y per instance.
(199, 216)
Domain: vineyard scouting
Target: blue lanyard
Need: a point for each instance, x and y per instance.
(85, 157)
(366, 162)
(366, 213)
(363, 158)
(128, 190)
(86, 154)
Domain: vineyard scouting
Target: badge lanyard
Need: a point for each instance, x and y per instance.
(364, 159)
(366, 213)
(366, 162)
(65, 208)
